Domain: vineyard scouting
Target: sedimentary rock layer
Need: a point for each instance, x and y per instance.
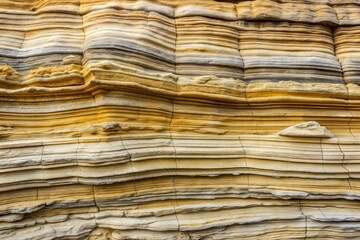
(179, 119)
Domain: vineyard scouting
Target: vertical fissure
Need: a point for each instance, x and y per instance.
(83, 31)
(345, 85)
(245, 160)
(343, 165)
(175, 159)
(131, 164)
(306, 220)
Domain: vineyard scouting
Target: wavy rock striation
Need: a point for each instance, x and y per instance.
(165, 119)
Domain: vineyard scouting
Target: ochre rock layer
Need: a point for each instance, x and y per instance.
(165, 119)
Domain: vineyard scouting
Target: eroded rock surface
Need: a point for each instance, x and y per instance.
(307, 129)
(131, 119)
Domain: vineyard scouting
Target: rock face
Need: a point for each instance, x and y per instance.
(307, 129)
(130, 119)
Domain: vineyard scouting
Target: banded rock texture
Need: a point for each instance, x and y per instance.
(165, 119)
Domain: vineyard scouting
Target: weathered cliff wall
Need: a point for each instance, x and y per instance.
(175, 119)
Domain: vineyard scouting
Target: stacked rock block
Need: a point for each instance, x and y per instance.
(166, 119)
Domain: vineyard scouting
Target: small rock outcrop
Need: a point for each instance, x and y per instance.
(307, 129)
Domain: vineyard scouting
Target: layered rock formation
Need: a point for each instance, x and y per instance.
(170, 119)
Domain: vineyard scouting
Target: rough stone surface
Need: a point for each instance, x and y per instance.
(142, 119)
(307, 129)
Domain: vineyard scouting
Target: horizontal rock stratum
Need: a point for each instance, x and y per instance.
(186, 120)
